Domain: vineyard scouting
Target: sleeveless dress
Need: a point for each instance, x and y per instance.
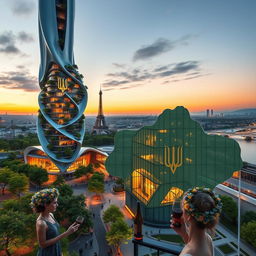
(51, 232)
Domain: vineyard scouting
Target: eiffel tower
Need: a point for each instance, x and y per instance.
(100, 126)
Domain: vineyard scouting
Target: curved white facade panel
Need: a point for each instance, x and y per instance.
(63, 98)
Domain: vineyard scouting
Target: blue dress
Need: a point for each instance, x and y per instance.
(51, 232)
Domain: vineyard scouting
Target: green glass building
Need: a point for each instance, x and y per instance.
(160, 162)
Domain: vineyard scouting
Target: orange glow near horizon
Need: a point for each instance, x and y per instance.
(28, 110)
(113, 104)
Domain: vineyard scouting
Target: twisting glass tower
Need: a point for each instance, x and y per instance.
(63, 98)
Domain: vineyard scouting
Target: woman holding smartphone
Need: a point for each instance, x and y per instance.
(201, 208)
(45, 203)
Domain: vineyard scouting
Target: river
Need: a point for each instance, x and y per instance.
(248, 148)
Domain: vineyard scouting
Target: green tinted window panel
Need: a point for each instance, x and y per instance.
(175, 152)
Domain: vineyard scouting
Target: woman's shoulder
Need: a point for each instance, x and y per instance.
(187, 251)
(40, 223)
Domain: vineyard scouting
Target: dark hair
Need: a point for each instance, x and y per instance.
(39, 208)
(203, 202)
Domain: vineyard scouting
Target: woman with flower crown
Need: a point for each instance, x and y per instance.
(201, 209)
(45, 203)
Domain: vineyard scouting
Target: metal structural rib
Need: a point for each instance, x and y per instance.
(63, 95)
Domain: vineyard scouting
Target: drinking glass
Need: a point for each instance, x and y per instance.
(176, 213)
(79, 220)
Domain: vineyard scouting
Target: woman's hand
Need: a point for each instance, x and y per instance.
(72, 228)
(180, 230)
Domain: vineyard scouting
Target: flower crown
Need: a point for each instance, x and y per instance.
(43, 197)
(206, 216)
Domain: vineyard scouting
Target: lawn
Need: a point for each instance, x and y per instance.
(225, 248)
(170, 238)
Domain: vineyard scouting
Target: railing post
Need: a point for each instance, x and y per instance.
(135, 250)
(239, 214)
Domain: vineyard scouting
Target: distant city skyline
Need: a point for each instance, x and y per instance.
(146, 55)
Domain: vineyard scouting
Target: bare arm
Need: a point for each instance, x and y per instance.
(41, 233)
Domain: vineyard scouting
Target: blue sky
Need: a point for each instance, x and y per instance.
(147, 55)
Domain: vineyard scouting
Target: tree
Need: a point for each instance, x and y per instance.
(15, 228)
(37, 175)
(112, 214)
(65, 190)
(19, 205)
(12, 156)
(5, 174)
(119, 233)
(120, 181)
(96, 183)
(248, 216)
(72, 206)
(18, 183)
(248, 232)
(59, 181)
(83, 170)
(229, 209)
(119, 185)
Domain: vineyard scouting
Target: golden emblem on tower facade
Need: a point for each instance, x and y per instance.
(62, 84)
(173, 159)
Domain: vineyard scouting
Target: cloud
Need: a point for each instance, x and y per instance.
(127, 78)
(160, 46)
(8, 42)
(22, 7)
(25, 37)
(19, 81)
(181, 67)
(117, 65)
(7, 38)
(21, 66)
(10, 49)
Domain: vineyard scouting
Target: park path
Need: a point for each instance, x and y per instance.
(99, 230)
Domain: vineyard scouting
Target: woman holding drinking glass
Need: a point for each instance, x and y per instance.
(45, 203)
(201, 208)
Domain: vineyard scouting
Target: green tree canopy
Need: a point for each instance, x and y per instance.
(19, 205)
(119, 233)
(18, 183)
(120, 181)
(229, 209)
(19, 143)
(248, 216)
(98, 176)
(15, 228)
(112, 214)
(96, 183)
(59, 181)
(37, 175)
(83, 170)
(70, 207)
(248, 232)
(65, 190)
(5, 174)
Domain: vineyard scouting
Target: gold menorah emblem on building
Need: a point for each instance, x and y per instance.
(62, 84)
(176, 160)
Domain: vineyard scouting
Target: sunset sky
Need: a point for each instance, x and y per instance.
(147, 55)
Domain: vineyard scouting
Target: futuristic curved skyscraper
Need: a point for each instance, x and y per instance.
(63, 96)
